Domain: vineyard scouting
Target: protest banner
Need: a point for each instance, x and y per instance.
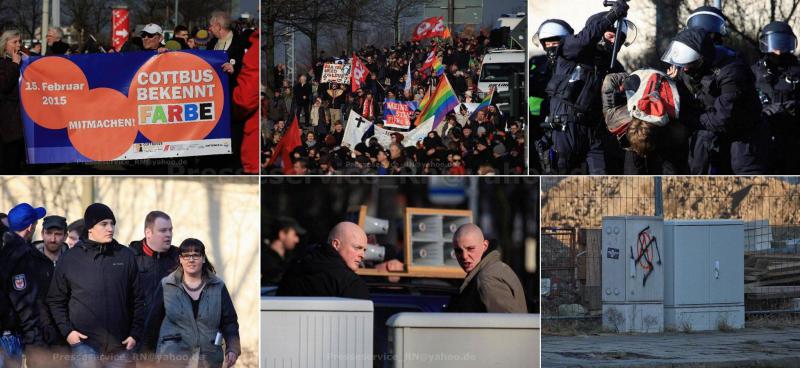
(397, 114)
(122, 106)
(336, 72)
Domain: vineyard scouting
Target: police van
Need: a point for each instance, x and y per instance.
(497, 68)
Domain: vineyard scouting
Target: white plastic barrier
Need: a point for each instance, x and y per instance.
(464, 340)
(299, 332)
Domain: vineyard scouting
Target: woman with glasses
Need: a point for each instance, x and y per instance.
(191, 315)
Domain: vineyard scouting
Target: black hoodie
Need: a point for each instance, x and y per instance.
(322, 272)
(94, 291)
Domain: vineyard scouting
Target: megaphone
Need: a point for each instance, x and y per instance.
(374, 225)
(374, 253)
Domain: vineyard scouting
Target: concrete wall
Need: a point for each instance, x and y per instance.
(222, 212)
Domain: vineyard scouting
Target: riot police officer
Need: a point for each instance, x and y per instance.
(575, 112)
(549, 36)
(717, 105)
(778, 85)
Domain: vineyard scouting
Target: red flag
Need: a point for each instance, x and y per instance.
(429, 28)
(288, 143)
(441, 30)
(425, 29)
(358, 73)
(119, 27)
(429, 61)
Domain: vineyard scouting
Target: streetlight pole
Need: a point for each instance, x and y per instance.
(45, 23)
(176, 15)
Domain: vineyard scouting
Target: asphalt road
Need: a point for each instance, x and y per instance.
(762, 347)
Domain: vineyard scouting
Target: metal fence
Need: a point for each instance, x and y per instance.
(573, 208)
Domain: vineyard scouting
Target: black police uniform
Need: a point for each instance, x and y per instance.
(720, 105)
(25, 274)
(575, 104)
(778, 89)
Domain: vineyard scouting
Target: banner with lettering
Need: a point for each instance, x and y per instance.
(124, 106)
(398, 114)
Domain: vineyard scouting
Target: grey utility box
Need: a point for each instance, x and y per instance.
(464, 340)
(633, 274)
(704, 277)
(315, 332)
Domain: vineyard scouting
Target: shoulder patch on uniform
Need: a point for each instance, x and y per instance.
(19, 282)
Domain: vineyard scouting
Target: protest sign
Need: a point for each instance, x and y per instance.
(398, 114)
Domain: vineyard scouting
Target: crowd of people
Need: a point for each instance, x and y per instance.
(707, 112)
(488, 142)
(78, 298)
(235, 37)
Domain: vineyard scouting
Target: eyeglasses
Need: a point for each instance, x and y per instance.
(149, 35)
(191, 256)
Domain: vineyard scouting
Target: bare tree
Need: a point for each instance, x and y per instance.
(269, 15)
(28, 17)
(88, 17)
(746, 18)
(666, 23)
(349, 13)
(394, 12)
(192, 13)
(307, 17)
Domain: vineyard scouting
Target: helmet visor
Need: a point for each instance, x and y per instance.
(680, 54)
(549, 30)
(630, 30)
(782, 42)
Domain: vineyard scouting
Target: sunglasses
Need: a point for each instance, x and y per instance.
(149, 35)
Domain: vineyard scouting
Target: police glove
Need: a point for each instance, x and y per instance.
(790, 107)
(620, 10)
(772, 109)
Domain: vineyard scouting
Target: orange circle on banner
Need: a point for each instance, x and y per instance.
(106, 125)
(49, 90)
(178, 97)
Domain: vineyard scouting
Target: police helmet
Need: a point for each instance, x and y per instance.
(777, 36)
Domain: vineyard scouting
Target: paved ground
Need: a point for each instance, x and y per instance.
(763, 347)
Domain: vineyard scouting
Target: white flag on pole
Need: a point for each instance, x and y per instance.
(356, 126)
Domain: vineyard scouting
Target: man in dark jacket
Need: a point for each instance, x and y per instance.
(94, 298)
(583, 60)
(26, 273)
(276, 254)
(719, 104)
(156, 257)
(329, 269)
(228, 40)
(490, 286)
(302, 98)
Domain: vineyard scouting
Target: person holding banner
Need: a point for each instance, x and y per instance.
(152, 38)
(12, 145)
(54, 44)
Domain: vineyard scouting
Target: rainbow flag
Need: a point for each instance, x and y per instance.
(485, 103)
(438, 68)
(441, 102)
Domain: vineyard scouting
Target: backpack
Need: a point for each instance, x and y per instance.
(652, 97)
